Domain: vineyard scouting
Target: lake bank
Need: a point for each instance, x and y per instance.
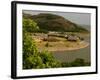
(62, 46)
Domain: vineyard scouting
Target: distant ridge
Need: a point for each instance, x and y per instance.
(52, 22)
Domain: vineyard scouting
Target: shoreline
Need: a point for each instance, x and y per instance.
(70, 49)
(81, 45)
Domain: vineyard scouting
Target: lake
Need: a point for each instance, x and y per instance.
(69, 56)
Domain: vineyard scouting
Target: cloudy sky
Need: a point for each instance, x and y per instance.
(79, 18)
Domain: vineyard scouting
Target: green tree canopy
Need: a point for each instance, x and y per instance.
(30, 25)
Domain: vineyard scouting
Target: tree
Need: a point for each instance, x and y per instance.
(29, 25)
(29, 48)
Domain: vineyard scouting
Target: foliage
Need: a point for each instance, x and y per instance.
(32, 58)
(75, 63)
(29, 25)
(78, 62)
(29, 48)
(49, 60)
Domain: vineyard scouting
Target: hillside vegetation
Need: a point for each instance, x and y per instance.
(52, 22)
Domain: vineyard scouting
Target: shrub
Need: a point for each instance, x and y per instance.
(78, 62)
(49, 60)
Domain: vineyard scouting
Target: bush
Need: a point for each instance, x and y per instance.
(78, 62)
(64, 64)
(49, 60)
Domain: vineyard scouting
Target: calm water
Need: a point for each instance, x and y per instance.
(69, 56)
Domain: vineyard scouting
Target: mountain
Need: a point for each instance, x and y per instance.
(52, 22)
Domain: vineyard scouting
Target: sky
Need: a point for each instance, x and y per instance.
(79, 18)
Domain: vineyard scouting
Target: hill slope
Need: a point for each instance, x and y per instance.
(52, 22)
